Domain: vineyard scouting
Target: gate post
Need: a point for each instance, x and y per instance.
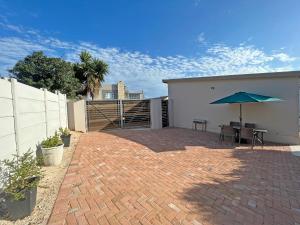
(121, 112)
(156, 113)
(77, 116)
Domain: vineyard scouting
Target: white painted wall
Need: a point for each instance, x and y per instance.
(190, 99)
(156, 113)
(77, 116)
(27, 116)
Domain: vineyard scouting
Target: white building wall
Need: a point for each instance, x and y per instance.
(27, 116)
(191, 99)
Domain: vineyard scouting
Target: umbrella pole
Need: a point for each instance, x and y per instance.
(240, 123)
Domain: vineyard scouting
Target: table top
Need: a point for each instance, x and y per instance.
(199, 121)
(261, 130)
(256, 130)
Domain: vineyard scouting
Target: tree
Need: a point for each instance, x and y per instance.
(40, 71)
(90, 71)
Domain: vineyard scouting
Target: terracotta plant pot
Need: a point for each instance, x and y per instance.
(66, 140)
(52, 156)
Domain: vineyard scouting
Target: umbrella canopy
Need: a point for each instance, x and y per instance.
(244, 97)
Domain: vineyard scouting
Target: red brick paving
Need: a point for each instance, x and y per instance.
(177, 176)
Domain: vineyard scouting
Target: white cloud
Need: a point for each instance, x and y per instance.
(143, 71)
(201, 39)
(18, 29)
(11, 27)
(12, 49)
(283, 57)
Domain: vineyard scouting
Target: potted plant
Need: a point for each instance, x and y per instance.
(19, 177)
(65, 136)
(52, 150)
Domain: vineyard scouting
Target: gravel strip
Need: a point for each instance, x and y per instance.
(48, 188)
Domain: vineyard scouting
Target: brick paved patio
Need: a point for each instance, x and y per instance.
(177, 176)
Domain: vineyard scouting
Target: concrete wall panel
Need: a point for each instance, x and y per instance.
(24, 120)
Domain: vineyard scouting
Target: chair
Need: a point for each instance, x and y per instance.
(250, 125)
(234, 124)
(248, 134)
(227, 131)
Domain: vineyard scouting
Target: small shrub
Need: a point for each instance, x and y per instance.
(64, 132)
(51, 142)
(20, 173)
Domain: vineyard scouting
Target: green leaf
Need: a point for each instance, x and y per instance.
(20, 173)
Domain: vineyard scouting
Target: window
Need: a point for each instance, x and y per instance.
(109, 95)
(134, 96)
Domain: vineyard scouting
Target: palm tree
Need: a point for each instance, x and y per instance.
(90, 71)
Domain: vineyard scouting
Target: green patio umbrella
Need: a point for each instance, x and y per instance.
(244, 97)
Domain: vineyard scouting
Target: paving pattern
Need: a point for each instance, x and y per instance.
(177, 176)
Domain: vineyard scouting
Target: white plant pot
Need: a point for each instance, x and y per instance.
(53, 156)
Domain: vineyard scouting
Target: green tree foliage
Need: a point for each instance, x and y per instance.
(90, 71)
(40, 71)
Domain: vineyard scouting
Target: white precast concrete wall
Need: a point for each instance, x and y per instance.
(27, 116)
(7, 127)
(191, 99)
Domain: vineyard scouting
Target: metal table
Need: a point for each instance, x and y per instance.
(259, 135)
(202, 122)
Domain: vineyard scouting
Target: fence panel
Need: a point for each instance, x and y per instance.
(63, 110)
(136, 113)
(103, 115)
(30, 116)
(53, 113)
(27, 116)
(7, 129)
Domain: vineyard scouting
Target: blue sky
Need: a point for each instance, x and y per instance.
(147, 41)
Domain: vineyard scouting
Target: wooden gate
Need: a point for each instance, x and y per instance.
(136, 113)
(111, 114)
(103, 115)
